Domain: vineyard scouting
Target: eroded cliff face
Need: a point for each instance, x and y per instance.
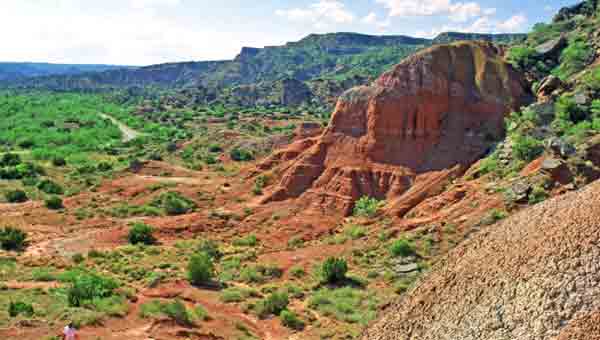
(403, 137)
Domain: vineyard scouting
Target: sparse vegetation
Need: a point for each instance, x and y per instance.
(367, 206)
(200, 269)
(141, 233)
(402, 248)
(13, 239)
(334, 270)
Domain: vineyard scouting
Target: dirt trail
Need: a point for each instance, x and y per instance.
(128, 133)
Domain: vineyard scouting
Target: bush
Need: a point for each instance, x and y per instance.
(211, 248)
(274, 304)
(86, 287)
(141, 233)
(573, 59)
(334, 270)
(522, 57)
(59, 161)
(13, 239)
(200, 269)
(178, 312)
(10, 159)
(16, 196)
(291, 320)
(174, 203)
(215, 148)
(54, 203)
(567, 110)
(248, 241)
(367, 206)
(50, 187)
(241, 155)
(20, 308)
(527, 148)
(346, 304)
(402, 248)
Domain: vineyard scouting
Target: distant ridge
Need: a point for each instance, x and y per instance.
(19, 70)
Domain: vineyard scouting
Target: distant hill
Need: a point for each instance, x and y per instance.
(15, 70)
(313, 71)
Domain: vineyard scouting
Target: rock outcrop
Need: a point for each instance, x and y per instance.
(534, 276)
(403, 137)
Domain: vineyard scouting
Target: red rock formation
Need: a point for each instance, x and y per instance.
(401, 138)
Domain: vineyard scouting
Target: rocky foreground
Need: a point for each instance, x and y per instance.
(535, 275)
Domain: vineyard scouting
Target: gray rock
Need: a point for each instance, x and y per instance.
(552, 47)
(548, 85)
(406, 268)
(561, 147)
(582, 99)
(551, 164)
(519, 191)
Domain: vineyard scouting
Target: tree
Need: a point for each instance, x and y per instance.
(141, 233)
(200, 269)
(334, 270)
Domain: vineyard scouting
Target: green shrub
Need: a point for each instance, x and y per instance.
(402, 248)
(174, 203)
(274, 304)
(86, 287)
(367, 206)
(200, 269)
(54, 203)
(13, 239)
(43, 274)
(115, 306)
(567, 110)
(215, 148)
(241, 155)
(297, 272)
(20, 308)
(50, 187)
(59, 161)
(345, 304)
(537, 195)
(248, 241)
(522, 57)
(211, 248)
(573, 59)
(175, 310)
(178, 312)
(355, 232)
(334, 270)
(527, 148)
(16, 196)
(234, 295)
(10, 159)
(77, 258)
(141, 233)
(290, 320)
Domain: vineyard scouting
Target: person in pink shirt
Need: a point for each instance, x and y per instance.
(70, 333)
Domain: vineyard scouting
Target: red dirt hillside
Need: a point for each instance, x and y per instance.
(402, 138)
(532, 276)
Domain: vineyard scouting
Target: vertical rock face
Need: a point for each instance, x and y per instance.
(431, 116)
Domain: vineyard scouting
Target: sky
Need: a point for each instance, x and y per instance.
(144, 32)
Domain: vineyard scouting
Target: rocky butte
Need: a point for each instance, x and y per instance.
(401, 138)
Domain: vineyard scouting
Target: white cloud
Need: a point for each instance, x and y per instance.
(153, 3)
(512, 24)
(483, 24)
(371, 18)
(320, 14)
(111, 31)
(457, 11)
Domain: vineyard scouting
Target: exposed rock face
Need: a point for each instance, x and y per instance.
(401, 138)
(534, 276)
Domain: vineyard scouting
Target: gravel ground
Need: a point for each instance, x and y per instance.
(528, 277)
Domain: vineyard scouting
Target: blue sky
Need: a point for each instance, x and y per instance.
(142, 32)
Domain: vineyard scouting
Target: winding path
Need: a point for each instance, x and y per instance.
(128, 133)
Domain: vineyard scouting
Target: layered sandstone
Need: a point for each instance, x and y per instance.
(534, 276)
(400, 139)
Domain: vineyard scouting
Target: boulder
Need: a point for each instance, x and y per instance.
(551, 49)
(561, 147)
(402, 138)
(547, 87)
